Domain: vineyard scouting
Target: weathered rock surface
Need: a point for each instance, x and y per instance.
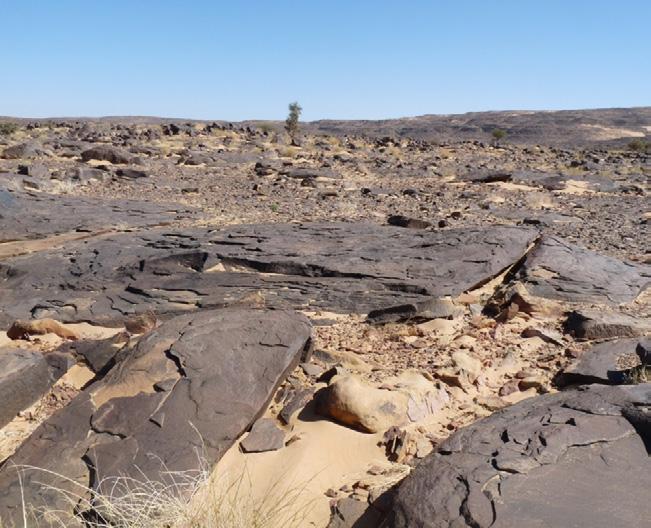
(24, 377)
(353, 402)
(424, 310)
(351, 513)
(556, 269)
(25, 150)
(592, 324)
(107, 153)
(185, 391)
(350, 401)
(27, 216)
(539, 463)
(604, 363)
(341, 267)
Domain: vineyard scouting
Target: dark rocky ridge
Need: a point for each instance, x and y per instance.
(555, 128)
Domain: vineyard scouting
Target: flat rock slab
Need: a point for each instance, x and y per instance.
(603, 363)
(25, 215)
(576, 458)
(545, 180)
(24, 377)
(185, 392)
(593, 324)
(339, 267)
(560, 270)
(436, 263)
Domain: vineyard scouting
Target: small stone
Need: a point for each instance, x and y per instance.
(530, 383)
(311, 369)
(467, 364)
(141, 323)
(509, 387)
(264, 436)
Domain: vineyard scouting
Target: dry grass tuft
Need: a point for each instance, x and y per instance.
(187, 499)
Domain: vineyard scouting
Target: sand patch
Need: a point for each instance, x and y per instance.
(601, 133)
(324, 456)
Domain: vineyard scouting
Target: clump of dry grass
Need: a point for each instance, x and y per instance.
(186, 499)
(288, 152)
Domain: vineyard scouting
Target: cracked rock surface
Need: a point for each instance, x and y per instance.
(185, 392)
(557, 269)
(28, 216)
(335, 266)
(532, 463)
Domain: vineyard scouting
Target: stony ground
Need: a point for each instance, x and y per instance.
(488, 352)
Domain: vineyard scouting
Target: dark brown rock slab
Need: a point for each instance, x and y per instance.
(31, 215)
(107, 153)
(556, 269)
(574, 458)
(349, 268)
(29, 149)
(178, 398)
(24, 377)
(443, 263)
(606, 363)
(593, 324)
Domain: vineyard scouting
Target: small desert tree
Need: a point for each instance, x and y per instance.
(639, 145)
(291, 123)
(498, 135)
(7, 128)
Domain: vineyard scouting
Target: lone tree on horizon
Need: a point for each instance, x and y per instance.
(498, 135)
(291, 123)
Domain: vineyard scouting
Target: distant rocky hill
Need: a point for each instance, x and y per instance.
(567, 128)
(561, 128)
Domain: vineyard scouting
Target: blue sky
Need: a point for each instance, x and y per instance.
(340, 59)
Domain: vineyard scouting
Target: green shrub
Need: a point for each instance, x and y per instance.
(7, 128)
(639, 145)
(267, 128)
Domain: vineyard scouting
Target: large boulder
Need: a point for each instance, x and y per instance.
(26, 150)
(107, 153)
(177, 399)
(410, 397)
(577, 458)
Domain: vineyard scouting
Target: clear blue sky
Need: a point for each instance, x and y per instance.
(340, 59)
